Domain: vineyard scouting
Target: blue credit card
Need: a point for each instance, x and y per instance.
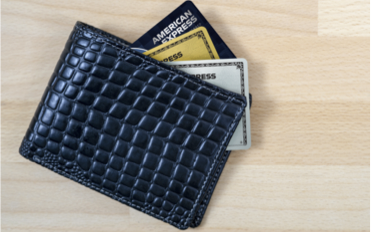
(183, 19)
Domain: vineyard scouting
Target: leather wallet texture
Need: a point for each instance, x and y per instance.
(132, 128)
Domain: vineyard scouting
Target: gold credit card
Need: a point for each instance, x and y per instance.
(193, 45)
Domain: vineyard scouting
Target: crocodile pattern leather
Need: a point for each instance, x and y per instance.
(132, 128)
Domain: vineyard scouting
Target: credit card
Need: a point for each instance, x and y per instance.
(232, 75)
(193, 45)
(182, 20)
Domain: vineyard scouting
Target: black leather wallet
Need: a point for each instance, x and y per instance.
(132, 128)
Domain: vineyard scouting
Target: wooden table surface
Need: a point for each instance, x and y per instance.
(308, 167)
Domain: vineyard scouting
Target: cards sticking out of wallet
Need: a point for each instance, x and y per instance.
(193, 45)
(232, 75)
(182, 20)
(198, 52)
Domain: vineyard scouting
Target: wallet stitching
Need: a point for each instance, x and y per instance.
(208, 176)
(103, 33)
(88, 184)
(201, 210)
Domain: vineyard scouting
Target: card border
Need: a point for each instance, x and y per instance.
(239, 65)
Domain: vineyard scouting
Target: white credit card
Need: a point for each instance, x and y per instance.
(229, 74)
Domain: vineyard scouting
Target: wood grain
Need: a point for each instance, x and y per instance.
(339, 18)
(308, 168)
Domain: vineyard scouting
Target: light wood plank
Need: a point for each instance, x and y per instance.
(344, 18)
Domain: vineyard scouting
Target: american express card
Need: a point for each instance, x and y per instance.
(193, 45)
(182, 20)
